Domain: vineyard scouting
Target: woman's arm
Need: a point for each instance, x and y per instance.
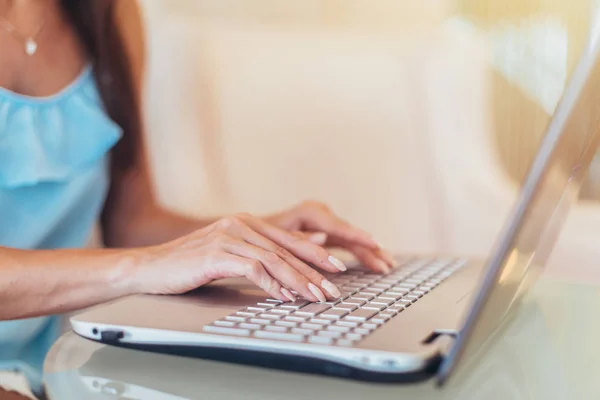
(132, 216)
(42, 282)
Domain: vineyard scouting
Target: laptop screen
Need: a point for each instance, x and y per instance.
(551, 185)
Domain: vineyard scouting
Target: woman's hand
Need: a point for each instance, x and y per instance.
(239, 246)
(271, 252)
(319, 224)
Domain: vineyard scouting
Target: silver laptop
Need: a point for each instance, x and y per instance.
(425, 317)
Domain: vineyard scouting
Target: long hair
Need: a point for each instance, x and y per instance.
(95, 24)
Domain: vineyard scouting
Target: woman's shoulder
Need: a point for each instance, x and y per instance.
(129, 17)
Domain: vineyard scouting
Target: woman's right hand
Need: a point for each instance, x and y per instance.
(240, 246)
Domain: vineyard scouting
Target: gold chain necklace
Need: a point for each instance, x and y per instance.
(30, 42)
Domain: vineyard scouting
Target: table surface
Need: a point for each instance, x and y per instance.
(549, 350)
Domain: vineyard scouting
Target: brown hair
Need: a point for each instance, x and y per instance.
(95, 25)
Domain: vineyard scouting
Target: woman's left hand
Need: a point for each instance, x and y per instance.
(316, 221)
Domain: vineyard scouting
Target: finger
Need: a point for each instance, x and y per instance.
(370, 259)
(319, 287)
(232, 266)
(276, 267)
(322, 220)
(299, 247)
(318, 238)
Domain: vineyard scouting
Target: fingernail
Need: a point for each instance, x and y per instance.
(288, 294)
(331, 288)
(318, 238)
(384, 267)
(317, 292)
(337, 263)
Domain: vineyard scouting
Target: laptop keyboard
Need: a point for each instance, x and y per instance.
(368, 301)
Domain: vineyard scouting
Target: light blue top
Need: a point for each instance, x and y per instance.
(53, 183)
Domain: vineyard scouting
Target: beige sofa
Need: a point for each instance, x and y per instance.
(385, 110)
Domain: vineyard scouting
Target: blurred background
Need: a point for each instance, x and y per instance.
(416, 119)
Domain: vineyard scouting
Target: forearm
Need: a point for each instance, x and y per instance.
(151, 227)
(43, 282)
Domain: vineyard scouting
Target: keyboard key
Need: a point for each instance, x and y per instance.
(363, 296)
(312, 309)
(301, 331)
(354, 300)
(361, 314)
(226, 331)
(337, 328)
(331, 334)
(371, 276)
(247, 313)
(224, 323)
(281, 311)
(400, 286)
(273, 328)
(377, 320)
(364, 281)
(291, 337)
(320, 321)
(397, 307)
(333, 313)
(349, 291)
(269, 316)
(295, 305)
(344, 342)
(371, 290)
(236, 318)
(368, 325)
(295, 318)
(383, 300)
(287, 324)
(274, 301)
(269, 305)
(346, 306)
(258, 308)
(353, 336)
(374, 306)
(246, 325)
(311, 326)
(334, 302)
(320, 340)
(380, 285)
(362, 331)
(387, 315)
(394, 294)
(350, 324)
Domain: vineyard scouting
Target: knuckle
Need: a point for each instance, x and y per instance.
(217, 239)
(272, 257)
(282, 252)
(314, 204)
(226, 223)
(269, 284)
(241, 217)
(254, 268)
(321, 253)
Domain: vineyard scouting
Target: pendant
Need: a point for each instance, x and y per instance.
(30, 46)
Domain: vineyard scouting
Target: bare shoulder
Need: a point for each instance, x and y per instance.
(129, 18)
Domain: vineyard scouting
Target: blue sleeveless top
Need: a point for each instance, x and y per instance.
(53, 184)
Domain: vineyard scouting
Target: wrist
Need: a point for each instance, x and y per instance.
(124, 273)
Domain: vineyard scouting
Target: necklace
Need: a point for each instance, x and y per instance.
(30, 42)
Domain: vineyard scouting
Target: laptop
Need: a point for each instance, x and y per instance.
(423, 319)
